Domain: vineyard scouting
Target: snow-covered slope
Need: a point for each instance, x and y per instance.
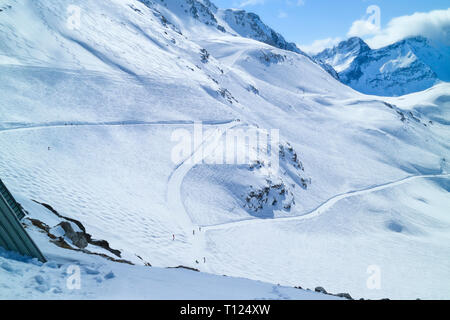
(88, 117)
(410, 65)
(25, 279)
(76, 274)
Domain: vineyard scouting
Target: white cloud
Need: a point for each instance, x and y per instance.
(319, 45)
(434, 25)
(361, 28)
(369, 25)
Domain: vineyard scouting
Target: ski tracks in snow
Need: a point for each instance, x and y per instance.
(174, 188)
(176, 205)
(175, 180)
(325, 206)
(209, 144)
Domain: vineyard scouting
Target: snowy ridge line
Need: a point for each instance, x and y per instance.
(10, 126)
(325, 206)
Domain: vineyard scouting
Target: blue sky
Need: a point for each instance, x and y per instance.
(305, 21)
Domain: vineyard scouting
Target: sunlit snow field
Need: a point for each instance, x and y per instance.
(86, 124)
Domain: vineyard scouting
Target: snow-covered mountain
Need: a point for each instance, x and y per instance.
(232, 21)
(407, 66)
(92, 112)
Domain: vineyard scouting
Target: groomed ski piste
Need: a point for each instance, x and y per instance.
(87, 118)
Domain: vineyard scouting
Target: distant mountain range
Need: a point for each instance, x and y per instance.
(413, 64)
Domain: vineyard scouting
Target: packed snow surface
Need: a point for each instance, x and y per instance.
(87, 121)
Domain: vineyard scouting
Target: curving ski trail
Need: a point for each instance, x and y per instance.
(325, 206)
(173, 193)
